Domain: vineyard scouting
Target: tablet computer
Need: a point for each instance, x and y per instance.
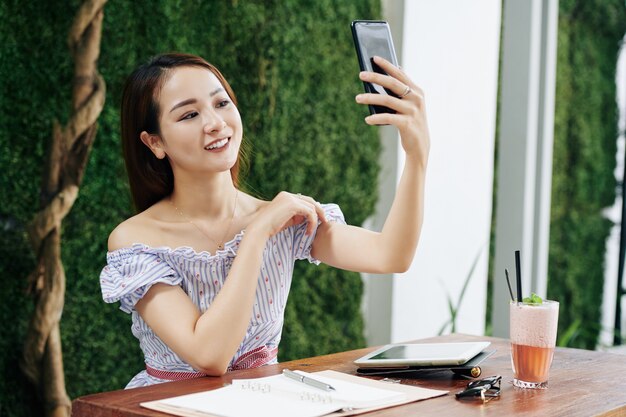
(422, 354)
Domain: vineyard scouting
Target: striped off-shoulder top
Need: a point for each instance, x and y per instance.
(131, 271)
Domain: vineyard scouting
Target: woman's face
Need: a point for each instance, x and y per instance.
(201, 127)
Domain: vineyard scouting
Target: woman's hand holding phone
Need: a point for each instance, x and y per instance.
(410, 116)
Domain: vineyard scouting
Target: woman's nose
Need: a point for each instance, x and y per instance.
(214, 123)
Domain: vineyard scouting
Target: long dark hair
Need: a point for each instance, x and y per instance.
(151, 179)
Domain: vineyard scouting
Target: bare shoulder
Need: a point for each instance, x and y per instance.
(137, 229)
(124, 235)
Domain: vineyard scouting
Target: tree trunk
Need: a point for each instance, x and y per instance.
(42, 360)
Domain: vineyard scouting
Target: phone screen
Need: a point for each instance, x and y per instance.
(373, 38)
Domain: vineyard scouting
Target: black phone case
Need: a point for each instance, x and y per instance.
(369, 88)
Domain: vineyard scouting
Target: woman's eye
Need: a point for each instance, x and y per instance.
(189, 116)
(223, 103)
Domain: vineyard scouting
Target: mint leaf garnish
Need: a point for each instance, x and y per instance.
(534, 299)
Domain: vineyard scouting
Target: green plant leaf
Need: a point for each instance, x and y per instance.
(534, 299)
(570, 333)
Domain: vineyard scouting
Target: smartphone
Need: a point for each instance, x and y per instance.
(373, 38)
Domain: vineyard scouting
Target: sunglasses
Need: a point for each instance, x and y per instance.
(485, 389)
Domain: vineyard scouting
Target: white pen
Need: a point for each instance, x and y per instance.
(307, 380)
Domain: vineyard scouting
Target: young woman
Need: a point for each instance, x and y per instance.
(205, 268)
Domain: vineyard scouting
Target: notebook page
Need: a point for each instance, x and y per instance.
(232, 401)
(279, 396)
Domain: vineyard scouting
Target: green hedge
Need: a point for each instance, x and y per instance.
(583, 182)
(293, 67)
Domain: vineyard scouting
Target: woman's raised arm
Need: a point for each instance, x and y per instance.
(393, 248)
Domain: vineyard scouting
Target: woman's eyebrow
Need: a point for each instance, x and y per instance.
(193, 100)
(183, 103)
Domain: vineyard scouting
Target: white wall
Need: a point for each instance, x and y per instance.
(449, 48)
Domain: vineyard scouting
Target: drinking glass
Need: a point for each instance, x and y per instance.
(533, 338)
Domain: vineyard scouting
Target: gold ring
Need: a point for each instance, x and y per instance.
(406, 92)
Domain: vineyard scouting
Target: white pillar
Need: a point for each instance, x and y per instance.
(450, 49)
(524, 149)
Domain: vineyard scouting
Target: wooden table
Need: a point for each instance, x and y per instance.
(582, 383)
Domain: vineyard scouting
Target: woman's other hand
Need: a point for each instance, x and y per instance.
(285, 210)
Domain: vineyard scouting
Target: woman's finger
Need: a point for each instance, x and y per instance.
(317, 206)
(400, 106)
(384, 119)
(309, 211)
(393, 71)
(401, 90)
(385, 81)
(405, 85)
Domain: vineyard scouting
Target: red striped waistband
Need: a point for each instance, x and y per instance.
(251, 359)
(172, 375)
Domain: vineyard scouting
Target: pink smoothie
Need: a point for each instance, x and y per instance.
(534, 325)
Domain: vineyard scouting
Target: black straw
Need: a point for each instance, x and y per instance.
(518, 276)
(508, 282)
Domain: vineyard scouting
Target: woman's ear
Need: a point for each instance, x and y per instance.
(153, 142)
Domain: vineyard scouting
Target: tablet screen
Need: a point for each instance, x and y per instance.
(423, 354)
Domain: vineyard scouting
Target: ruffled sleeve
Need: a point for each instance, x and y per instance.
(302, 244)
(130, 273)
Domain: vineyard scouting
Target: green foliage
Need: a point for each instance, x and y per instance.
(293, 67)
(566, 337)
(454, 309)
(584, 160)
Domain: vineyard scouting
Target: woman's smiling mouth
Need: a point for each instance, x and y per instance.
(218, 144)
